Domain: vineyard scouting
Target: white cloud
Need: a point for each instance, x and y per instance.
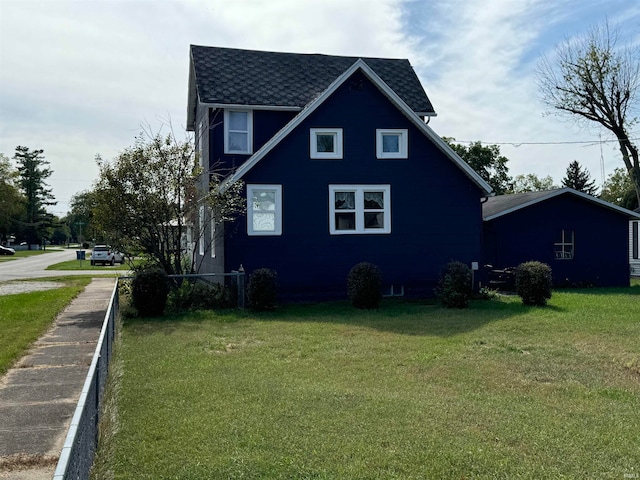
(78, 78)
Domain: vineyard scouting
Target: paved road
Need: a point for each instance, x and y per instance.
(34, 267)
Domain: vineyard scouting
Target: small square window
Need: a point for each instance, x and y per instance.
(391, 143)
(325, 143)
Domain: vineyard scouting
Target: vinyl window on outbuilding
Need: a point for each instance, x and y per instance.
(564, 247)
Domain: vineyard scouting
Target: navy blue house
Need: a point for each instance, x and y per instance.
(585, 240)
(339, 167)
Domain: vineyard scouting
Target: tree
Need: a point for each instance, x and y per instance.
(11, 201)
(594, 82)
(487, 162)
(80, 219)
(146, 200)
(32, 174)
(531, 183)
(579, 179)
(619, 189)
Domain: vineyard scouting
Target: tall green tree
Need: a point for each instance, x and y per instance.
(11, 201)
(33, 172)
(487, 162)
(619, 190)
(80, 219)
(594, 81)
(146, 200)
(531, 183)
(579, 179)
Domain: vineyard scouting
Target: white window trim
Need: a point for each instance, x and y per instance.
(249, 132)
(403, 143)
(359, 210)
(313, 149)
(278, 210)
(213, 235)
(201, 232)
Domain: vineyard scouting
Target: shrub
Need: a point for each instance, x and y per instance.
(194, 295)
(454, 288)
(149, 291)
(262, 289)
(364, 284)
(533, 283)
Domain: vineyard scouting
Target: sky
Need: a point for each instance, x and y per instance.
(80, 78)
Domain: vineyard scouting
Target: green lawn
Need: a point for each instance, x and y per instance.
(411, 391)
(27, 253)
(86, 265)
(26, 316)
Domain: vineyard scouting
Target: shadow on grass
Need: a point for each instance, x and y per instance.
(404, 317)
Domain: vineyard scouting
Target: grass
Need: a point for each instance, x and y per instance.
(24, 317)
(86, 265)
(26, 253)
(409, 391)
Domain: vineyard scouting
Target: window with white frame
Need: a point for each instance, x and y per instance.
(238, 131)
(391, 143)
(635, 241)
(201, 230)
(213, 235)
(564, 247)
(264, 209)
(359, 209)
(326, 143)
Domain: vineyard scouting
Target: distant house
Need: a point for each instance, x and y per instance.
(634, 245)
(339, 167)
(584, 239)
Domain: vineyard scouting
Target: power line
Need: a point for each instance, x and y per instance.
(517, 144)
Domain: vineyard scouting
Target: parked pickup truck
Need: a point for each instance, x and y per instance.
(105, 255)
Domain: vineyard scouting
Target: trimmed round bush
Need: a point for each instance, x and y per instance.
(262, 289)
(454, 288)
(533, 283)
(149, 291)
(364, 285)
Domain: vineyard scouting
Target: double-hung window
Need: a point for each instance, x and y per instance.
(564, 246)
(391, 143)
(359, 209)
(264, 209)
(238, 131)
(326, 143)
(635, 240)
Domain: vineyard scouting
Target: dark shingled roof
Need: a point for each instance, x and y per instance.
(503, 204)
(250, 77)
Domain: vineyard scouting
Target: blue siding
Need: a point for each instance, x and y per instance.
(265, 125)
(435, 209)
(601, 240)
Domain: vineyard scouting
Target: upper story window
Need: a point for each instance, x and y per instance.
(264, 209)
(238, 131)
(359, 209)
(391, 143)
(326, 143)
(564, 247)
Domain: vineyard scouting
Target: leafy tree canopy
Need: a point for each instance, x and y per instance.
(487, 162)
(579, 179)
(619, 190)
(146, 201)
(531, 183)
(11, 200)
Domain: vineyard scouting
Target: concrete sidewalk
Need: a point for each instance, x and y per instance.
(39, 395)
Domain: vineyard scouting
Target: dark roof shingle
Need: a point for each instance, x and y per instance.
(250, 77)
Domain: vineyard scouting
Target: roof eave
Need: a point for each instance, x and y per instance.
(391, 95)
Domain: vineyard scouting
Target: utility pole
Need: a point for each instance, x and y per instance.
(79, 225)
